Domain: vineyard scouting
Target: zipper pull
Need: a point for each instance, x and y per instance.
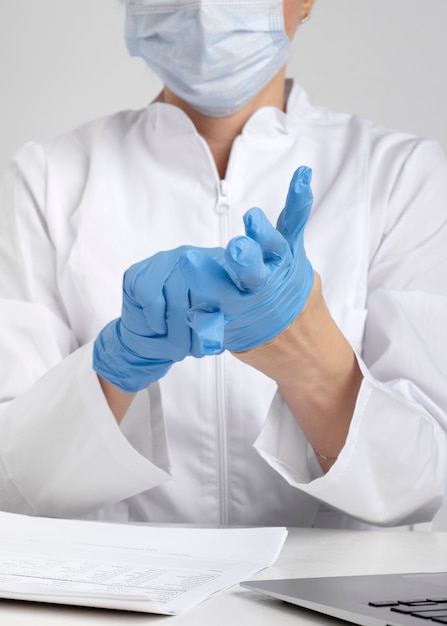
(223, 205)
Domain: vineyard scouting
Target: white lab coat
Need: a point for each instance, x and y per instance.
(213, 442)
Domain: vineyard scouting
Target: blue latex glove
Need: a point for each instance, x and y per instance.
(262, 285)
(152, 333)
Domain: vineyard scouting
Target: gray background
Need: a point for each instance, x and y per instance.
(64, 62)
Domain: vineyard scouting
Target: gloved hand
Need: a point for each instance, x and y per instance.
(152, 333)
(262, 285)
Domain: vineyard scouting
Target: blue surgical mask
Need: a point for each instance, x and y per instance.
(216, 55)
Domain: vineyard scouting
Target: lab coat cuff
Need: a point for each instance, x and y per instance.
(284, 446)
(372, 479)
(144, 453)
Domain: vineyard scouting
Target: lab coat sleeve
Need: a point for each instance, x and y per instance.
(61, 450)
(393, 467)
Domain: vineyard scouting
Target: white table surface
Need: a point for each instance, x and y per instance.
(307, 552)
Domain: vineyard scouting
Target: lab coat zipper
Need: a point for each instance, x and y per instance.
(223, 208)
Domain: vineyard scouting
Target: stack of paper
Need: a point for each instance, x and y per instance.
(128, 567)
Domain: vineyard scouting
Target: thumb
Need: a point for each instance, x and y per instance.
(208, 330)
(298, 205)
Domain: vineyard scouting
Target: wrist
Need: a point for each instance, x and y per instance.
(297, 345)
(311, 361)
(114, 362)
(118, 400)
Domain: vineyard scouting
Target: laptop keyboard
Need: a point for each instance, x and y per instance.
(434, 609)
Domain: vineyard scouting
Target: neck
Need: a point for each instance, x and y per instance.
(220, 132)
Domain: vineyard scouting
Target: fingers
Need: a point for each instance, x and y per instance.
(258, 228)
(138, 308)
(177, 303)
(298, 205)
(208, 330)
(210, 287)
(206, 278)
(156, 288)
(252, 259)
(246, 263)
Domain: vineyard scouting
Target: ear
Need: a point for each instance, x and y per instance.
(306, 9)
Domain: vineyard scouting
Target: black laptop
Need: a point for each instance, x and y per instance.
(378, 600)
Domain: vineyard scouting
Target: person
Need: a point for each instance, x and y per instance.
(229, 307)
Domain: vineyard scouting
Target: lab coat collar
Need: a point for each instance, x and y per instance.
(266, 123)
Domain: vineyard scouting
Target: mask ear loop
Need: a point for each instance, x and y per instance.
(305, 19)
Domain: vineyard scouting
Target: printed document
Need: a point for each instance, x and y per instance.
(135, 567)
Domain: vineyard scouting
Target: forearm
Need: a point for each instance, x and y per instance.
(317, 373)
